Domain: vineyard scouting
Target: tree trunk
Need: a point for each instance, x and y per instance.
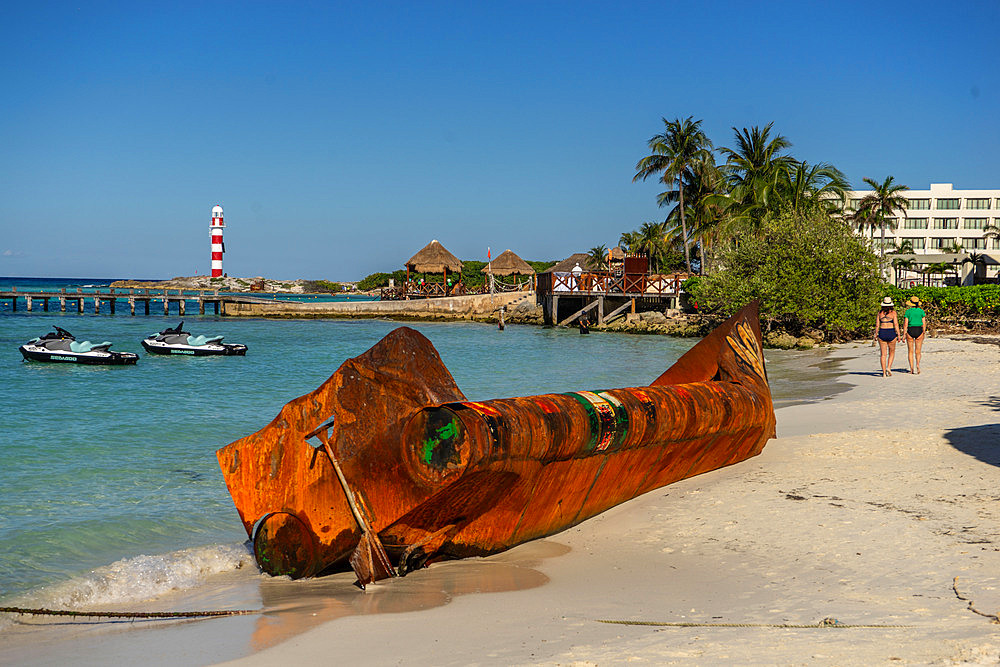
(684, 229)
(881, 250)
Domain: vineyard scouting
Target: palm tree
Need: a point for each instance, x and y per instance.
(904, 247)
(978, 261)
(674, 151)
(651, 243)
(597, 257)
(706, 208)
(806, 186)
(953, 249)
(754, 169)
(938, 268)
(900, 265)
(862, 219)
(883, 201)
(630, 242)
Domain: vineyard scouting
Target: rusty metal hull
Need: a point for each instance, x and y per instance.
(404, 469)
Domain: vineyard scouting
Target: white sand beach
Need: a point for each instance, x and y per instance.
(864, 510)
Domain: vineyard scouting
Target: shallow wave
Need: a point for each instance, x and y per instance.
(139, 579)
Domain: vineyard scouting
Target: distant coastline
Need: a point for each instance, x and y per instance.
(225, 284)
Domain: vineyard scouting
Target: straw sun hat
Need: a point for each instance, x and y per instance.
(887, 302)
(914, 301)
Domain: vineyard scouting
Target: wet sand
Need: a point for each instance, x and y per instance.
(290, 608)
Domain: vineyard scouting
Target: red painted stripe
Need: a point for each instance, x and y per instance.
(217, 255)
(216, 273)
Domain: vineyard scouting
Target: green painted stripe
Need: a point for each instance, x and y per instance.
(592, 416)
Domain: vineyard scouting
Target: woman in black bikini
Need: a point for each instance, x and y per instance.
(887, 333)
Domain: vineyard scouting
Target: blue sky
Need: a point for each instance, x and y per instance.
(342, 137)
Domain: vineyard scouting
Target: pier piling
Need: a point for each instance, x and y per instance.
(110, 298)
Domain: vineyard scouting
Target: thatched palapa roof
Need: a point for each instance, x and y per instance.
(581, 258)
(433, 258)
(508, 263)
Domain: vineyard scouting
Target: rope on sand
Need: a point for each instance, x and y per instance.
(129, 614)
(954, 587)
(825, 623)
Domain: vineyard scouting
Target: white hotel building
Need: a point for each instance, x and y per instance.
(941, 217)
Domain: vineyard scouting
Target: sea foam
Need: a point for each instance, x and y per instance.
(140, 579)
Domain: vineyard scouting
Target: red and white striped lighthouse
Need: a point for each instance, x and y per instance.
(218, 247)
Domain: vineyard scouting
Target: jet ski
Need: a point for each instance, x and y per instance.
(177, 341)
(61, 345)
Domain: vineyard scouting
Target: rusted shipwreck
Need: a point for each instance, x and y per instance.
(387, 466)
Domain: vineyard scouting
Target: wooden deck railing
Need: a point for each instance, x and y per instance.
(622, 284)
(437, 290)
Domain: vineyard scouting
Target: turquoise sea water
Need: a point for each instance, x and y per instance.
(102, 464)
(111, 490)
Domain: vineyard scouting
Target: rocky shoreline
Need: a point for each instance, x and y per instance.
(526, 311)
(689, 325)
(223, 284)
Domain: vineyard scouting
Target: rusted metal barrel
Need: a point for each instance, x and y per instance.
(433, 475)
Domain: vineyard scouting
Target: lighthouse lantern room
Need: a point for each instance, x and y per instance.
(218, 247)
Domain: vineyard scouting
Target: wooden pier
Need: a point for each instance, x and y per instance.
(604, 295)
(112, 299)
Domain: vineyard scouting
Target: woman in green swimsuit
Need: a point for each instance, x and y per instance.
(916, 328)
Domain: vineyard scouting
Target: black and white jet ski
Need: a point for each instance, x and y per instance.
(60, 345)
(177, 341)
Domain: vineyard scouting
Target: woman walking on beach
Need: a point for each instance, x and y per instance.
(916, 327)
(887, 332)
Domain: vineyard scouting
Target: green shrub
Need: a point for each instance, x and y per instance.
(808, 270)
(958, 302)
(374, 281)
(322, 286)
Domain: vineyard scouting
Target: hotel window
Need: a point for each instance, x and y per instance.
(918, 204)
(974, 223)
(942, 242)
(915, 223)
(918, 244)
(853, 206)
(974, 244)
(945, 223)
(996, 244)
(948, 204)
(978, 203)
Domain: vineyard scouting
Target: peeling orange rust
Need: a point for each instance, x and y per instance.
(432, 475)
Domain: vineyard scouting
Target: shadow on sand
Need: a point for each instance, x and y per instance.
(981, 442)
(993, 403)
